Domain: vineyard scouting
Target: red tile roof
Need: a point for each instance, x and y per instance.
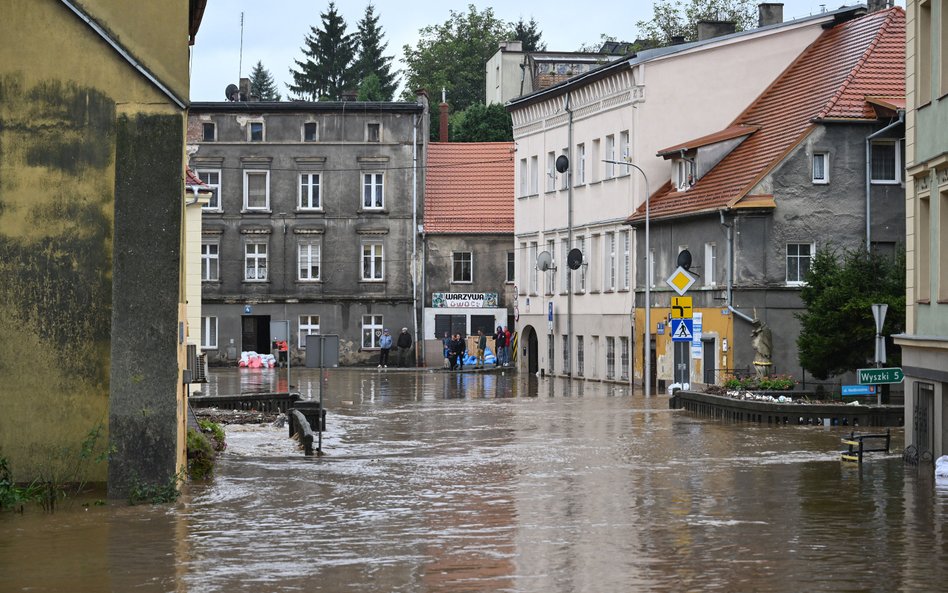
(469, 187)
(725, 134)
(831, 79)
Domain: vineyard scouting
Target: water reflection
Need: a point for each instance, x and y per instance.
(503, 482)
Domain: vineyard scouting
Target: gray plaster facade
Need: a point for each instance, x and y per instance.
(315, 222)
(830, 215)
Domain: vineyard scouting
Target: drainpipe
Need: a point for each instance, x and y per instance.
(414, 239)
(569, 240)
(869, 140)
(730, 270)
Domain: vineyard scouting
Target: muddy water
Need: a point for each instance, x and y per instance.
(436, 482)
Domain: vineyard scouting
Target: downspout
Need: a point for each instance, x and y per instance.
(730, 270)
(569, 240)
(869, 140)
(414, 239)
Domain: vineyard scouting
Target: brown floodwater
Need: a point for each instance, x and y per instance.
(438, 482)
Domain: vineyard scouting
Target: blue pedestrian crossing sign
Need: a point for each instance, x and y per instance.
(682, 330)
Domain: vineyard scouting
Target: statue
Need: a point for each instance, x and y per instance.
(762, 341)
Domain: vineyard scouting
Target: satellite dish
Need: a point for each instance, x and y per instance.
(562, 164)
(232, 92)
(574, 259)
(684, 259)
(544, 261)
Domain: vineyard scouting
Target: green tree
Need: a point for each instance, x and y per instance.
(482, 123)
(327, 71)
(452, 56)
(370, 89)
(837, 331)
(529, 34)
(680, 17)
(370, 60)
(262, 85)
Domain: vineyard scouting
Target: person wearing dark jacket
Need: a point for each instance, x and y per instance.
(457, 353)
(404, 347)
(500, 344)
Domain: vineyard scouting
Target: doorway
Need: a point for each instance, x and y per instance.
(923, 420)
(530, 350)
(708, 358)
(255, 334)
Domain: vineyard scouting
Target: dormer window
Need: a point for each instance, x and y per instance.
(683, 174)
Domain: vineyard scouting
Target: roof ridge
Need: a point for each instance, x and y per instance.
(858, 66)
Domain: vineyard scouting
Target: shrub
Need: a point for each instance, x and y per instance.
(216, 433)
(200, 455)
(141, 492)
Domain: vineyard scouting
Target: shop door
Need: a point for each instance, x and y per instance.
(255, 334)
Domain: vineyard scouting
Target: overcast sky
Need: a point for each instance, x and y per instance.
(274, 31)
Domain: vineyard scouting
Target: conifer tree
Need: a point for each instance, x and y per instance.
(262, 84)
(370, 59)
(529, 34)
(327, 71)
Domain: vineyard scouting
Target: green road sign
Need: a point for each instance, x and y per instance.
(877, 376)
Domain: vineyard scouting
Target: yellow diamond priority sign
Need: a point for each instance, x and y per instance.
(680, 280)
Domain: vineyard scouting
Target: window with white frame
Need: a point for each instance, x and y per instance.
(209, 132)
(610, 156)
(565, 176)
(511, 267)
(799, 258)
(581, 245)
(373, 132)
(550, 171)
(208, 333)
(580, 164)
(310, 131)
(624, 356)
(624, 151)
(565, 353)
(212, 179)
(610, 357)
(462, 266)
(309, 192)
(309, 326)
(210, 261)
(532, 265)
(885, 161)
(609, 263)
(255, 131)
(551, 273)
(626, 259)
(255, 261)
(308, 258)
(534, 175)
(596, 169)
(710, 264)
(372, 261)
(564, 278)
(683, 177)
(373, 197)
(256, 190)
(820, 167)
(580, 356)
(524, 177)
(371, 331)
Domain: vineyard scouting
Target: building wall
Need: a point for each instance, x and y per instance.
(92, 170)
(341, 155)
(504, 76)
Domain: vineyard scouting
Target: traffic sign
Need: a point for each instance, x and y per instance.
(681, 307)
(859, 389)
(680, 280)
(877, 376)
(682, 330)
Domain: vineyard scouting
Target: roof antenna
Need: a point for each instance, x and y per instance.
(240, 60)
(822, 8)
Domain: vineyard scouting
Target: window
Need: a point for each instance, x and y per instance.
(942, 239)
(211, 178)
(550, 171)
(624, 152)
(523, 177)
(255, 261)
(923, 250)
(820, 167)
(208, 333)
(551, 353)
(462, 266)
(532, 264)
(710, 264)
(308, 252)
(310, 130)
(256, 131)
(309, 326)
(682, 174)
(610, 357)
(565, 177)
(596, 166)
(923, 54)
(256, 190)
(799, 256)
(580, 356)
(372, 191)
(209, 132)
(309, 191)
(511, 267)
(566, 353)
(371, 330)
(373, 132)
(551, 273)
(580, 164)
(371, 261)
(609, 263)
(210, 261)
(624, 357)
(610, 156)
(885, 161)
(564, 279)
(626, 259)
(534, 175)
(581, 245)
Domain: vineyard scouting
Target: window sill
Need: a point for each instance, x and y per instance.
(468, 282)
(815, 182)
(212, 210)
(310, 210)
(372, 211)
(884, 182)
(203, 281)
(206, 348)
(923, 302)
(308, 281)
(247, 281)
(795, 284)
(255, 211)
(372, 281)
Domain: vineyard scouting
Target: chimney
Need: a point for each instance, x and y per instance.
(511, 46)
(677, 39)
(244, 89)
(443, 119)
(877, 5)
(769, 13)
(712, 29)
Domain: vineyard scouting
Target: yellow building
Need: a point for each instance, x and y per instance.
(92, 126)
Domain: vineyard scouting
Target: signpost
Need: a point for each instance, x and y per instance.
(680, 281)
(880, 376)
(682, 330)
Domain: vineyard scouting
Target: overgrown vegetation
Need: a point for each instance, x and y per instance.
(143, 493)
(203, 448)
(768, 383)
(13, 497)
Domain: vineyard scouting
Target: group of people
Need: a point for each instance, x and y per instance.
(403, 344)
(455, 348)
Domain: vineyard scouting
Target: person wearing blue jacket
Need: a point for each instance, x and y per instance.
(385, 345)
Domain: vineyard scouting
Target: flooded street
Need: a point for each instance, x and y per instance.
(451, 483)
